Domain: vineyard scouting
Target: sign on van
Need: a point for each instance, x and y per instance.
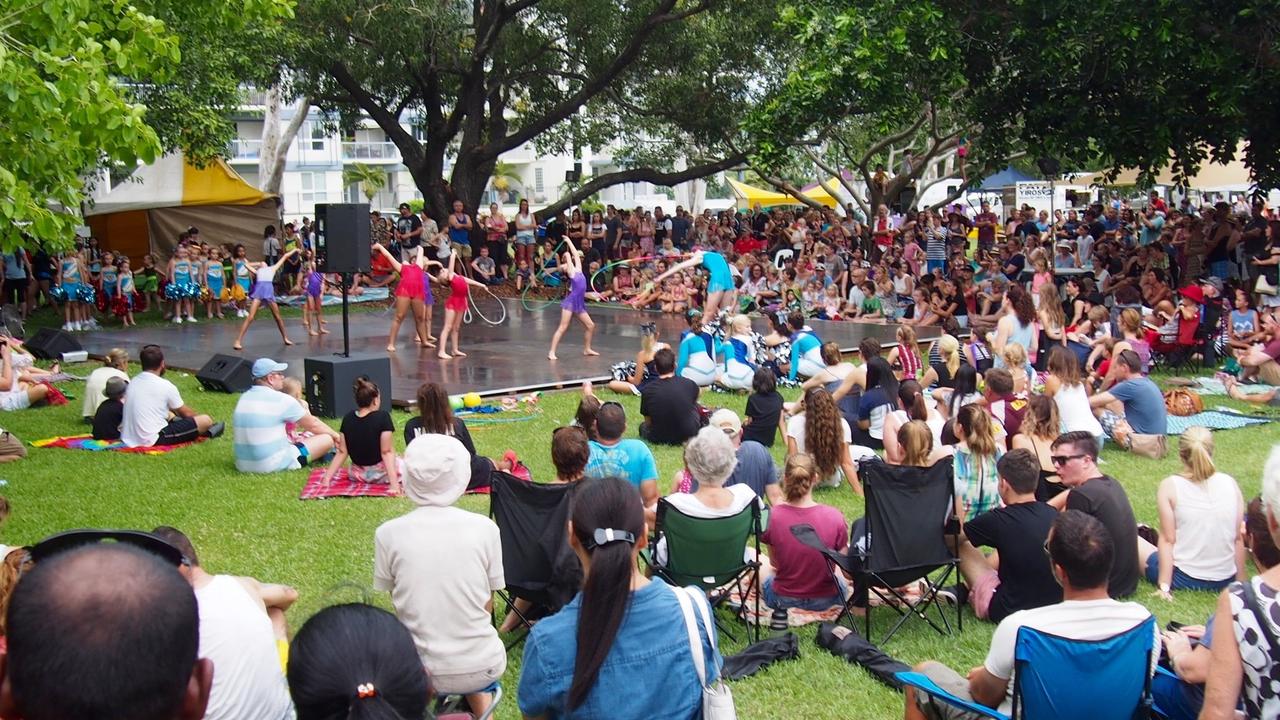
(1036, 194)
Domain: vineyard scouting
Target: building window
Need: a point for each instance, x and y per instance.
(537, 179)
(313, 187)
(317, 136)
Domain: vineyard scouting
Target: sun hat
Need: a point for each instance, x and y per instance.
(437, 469)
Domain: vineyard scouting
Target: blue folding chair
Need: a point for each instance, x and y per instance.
(1060, 678)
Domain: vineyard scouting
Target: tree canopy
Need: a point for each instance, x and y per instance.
(76, 77)
(662, 80)
(1143, 84)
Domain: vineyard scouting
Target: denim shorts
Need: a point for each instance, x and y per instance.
(1181, 580)
(525, 237)
(779, 602)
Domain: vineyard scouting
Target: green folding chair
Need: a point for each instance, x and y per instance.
(709, 553)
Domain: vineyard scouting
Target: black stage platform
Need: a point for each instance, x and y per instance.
(508, 358)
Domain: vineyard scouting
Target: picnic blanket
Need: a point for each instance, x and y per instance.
(1214, 420)
(1214, 386)
(343, 486)
(86, 442)
(370, 294)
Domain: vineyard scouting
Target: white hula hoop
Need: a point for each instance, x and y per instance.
(466, 316)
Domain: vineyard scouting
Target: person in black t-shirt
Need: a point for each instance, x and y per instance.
(1075, 455)
(764, 408)
(110, 413)
(368, 438)
(669, 404)
(1017, 531)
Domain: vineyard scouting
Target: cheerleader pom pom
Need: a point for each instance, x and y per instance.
(171, 292)
(58, 293)
(101, 302)
(205, 295)
(225, 295)
(87, 294)
(237, 293)
(120, 306)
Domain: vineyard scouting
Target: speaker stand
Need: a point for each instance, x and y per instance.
(346, 317)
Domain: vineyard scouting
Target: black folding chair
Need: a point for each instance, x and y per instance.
(904, 539)
(539, 566)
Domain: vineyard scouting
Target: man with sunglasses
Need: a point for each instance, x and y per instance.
(1075, 456)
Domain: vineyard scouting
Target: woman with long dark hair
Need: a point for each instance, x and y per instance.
(820, 431)
(356, 662)
(620, 649)
(1017, 326)
(880, 399)
(435, 416)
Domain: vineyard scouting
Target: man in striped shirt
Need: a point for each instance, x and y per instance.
(262, 443)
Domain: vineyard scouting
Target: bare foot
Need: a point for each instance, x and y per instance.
(552, 356)
(458, 353)
(324, 330)
(313, 333)
(444, 356)
(432, 338)
(237, 346)
(287, 341)
(391, 348)
(55, 368)
(428, 344)
(590, 353)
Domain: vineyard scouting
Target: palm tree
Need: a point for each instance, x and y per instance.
(502, 177)
(372, 179)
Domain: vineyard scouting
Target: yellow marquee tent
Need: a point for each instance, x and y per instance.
(146, 213)
(748, 196)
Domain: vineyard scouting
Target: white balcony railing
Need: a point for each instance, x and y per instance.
(245, 149)
(377, 151)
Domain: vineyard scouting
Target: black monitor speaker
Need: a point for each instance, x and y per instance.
(226, 373)
(329, 381)
(341, 238)
(50, 344)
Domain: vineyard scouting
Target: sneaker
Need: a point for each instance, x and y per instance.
(177, 320)
(191, 318)
(216, 429)
(954, 594)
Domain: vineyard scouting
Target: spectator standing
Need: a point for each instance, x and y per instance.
(444, 598)
(155, 413)
(408, 233)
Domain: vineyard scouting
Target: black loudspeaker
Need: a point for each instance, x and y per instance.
(341, 238)
(50, 344)
(329, 379)
(226, 373)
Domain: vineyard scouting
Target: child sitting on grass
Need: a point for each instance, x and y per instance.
(368, 439)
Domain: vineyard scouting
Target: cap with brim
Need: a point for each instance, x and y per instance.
(263, 367)
(727, 421)
(1194, 293)
(115, 388)
(437, 470)
(1216, 283)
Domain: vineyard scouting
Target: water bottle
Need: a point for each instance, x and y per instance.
(778, 623)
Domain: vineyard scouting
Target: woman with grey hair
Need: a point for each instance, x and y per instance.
(709, 461)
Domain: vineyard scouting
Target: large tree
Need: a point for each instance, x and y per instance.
(94, 83)
(664, 83)
(1141, 84)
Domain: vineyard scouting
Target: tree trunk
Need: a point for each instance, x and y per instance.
(273, 157)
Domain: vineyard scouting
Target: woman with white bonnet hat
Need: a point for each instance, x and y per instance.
(441, 565)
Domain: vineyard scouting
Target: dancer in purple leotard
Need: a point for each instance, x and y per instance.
(575, 304)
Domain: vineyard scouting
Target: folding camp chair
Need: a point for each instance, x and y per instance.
(539, 566)
(910, 513)
(454, 707)
(1056, 677)
(710, 553)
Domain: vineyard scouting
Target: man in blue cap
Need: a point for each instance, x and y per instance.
(262, 443)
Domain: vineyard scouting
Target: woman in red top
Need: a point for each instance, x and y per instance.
(454, 308)
(882, 229)
(413, 291)
(796, 575)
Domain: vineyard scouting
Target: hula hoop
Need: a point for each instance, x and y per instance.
(466, 315)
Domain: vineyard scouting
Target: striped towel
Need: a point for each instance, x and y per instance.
(1214, 420)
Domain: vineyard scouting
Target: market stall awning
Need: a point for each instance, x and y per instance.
(748, 196)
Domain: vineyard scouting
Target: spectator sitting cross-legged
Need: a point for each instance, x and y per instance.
(356, 661)
(155, 413)
(755, 467)
(620, 649)
(615, 456)
(262, 412)
(1081, 552)
(368, 438)
(435, 416)
(796, 575)
(1200, 546)
(1134, 405)
(119, 620)
(243, 631)
(1018, 577)
(444, 598)
(669, 404)
(109, 415)
(1075, 455)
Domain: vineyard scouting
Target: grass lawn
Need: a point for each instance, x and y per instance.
(255, 525)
